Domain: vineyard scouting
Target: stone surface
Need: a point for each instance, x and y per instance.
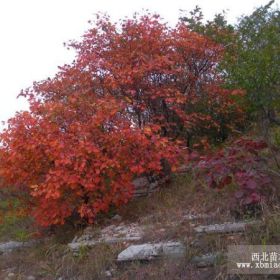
(144, 186)
(193, 217)
(117, 218)
(207, 260)
(108, 273)
(13, 245)
(145, 252)
(224, 228)
(110, 234)
(140, 182)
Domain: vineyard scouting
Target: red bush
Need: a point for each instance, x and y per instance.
(106, 118)
(72, 163)
(240, 164)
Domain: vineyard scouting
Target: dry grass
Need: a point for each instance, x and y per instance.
(51, 261)
(164, 211)
(182, 196)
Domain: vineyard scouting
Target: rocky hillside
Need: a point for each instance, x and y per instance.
(174, 233)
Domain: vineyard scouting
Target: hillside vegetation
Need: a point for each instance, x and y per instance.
(143, 99)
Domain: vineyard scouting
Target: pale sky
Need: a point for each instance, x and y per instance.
(32, 34)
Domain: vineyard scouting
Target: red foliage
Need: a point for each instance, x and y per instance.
(106, 118)
(239, 164)
(70, 161)
(164, 76)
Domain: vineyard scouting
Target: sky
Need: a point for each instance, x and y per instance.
(32, 33)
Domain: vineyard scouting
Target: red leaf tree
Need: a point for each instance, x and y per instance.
(114, 114)
(68, 161)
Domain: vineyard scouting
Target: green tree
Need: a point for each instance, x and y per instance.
(218, 29)
(252, 55)
(256, 67)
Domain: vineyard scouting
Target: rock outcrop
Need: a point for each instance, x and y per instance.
(147, 252)
(225, 228)
(110, 234)
(13, 245)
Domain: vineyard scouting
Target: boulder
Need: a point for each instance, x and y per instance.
(117, 218)
(13, 245)
(146, 252)
(225, 228)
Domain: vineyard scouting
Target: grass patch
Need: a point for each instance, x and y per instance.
(14, 224)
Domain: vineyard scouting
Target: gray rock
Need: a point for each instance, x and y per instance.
(75, 246)
(207, 260)
(30, 277)
(193, 217)
(152, 251)
(140, 182)
(224, 228)
(110, 234)
(117, 218)
(144, 187)
(11, 275)
(108, 273)
(13, 245)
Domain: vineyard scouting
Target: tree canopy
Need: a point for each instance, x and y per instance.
(137, 91)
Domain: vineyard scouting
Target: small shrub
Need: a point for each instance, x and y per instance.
(239, 165)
